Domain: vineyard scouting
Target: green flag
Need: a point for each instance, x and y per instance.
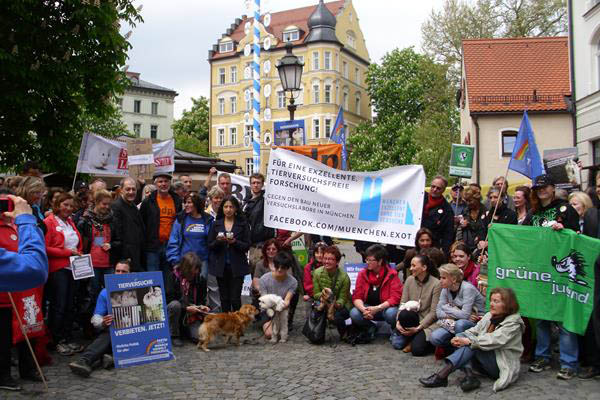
(552, 273)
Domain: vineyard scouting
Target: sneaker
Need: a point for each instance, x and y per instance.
(434, 381)
(81, 368)
(539, 365)
(566, 374)
(64, 349)
(8, 383)
(77, 348)
(588, 373)
(108, 362)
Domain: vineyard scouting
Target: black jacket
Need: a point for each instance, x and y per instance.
(85, 229)
(151, 217)
(440, 221)
(475, 230)
(504, 215)
(558, 210)
(254, 211)
(127, 239)
(218, 249)
(591, 218)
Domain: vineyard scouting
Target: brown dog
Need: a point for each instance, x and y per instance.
(231, 324)
(327, 301)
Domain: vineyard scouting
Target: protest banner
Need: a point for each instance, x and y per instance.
(99, 155)
(561, 165)
(461, 160)
(139, 333)
(307, 196)
(552, 273)
(328, 154)
(240, 186)
(300, 252)
(289, 133)
(140, 158)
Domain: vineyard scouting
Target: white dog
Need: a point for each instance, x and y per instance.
(274, 306)
(411, 305)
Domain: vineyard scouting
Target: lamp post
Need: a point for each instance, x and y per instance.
(290, 74)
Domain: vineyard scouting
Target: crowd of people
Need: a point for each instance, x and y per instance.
(430, 299)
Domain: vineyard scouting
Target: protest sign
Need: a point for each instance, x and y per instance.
(289, 133)
(139, 333)
(140, 159)
(352, 270)
(461, 160)
(552, 273)
(81, 266)
(98, 155)
(240, 186)
(561, 165)
(246, 285)
(307, 196)
(29, 306)
(328, 154)
(300, 252)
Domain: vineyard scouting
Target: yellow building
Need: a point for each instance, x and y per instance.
(328, 39)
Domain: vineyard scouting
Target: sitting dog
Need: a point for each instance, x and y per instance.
(411, 305)
(274, 306)
(327, 301)
(231, 324)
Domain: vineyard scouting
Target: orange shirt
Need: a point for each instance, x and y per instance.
(166, 206)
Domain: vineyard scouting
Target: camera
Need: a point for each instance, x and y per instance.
(6, 204)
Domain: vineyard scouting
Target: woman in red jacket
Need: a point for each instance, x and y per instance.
(313, 264)
(62, 241)
(378, 290)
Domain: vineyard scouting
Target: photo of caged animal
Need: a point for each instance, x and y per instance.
(230, 325)
(275, 308)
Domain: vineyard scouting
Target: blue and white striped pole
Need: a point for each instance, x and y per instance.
(256, 91)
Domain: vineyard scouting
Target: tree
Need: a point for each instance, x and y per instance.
(416, 116)
(444, 31)
(60, 71)
(191, 130)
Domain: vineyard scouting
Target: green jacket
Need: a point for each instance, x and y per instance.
(321, 280)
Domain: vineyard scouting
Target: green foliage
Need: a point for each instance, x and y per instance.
(60, 69)
(109, 125)
(416, 117)
(444, 31)
(191, 130)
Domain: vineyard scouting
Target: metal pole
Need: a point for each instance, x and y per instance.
(256, 90)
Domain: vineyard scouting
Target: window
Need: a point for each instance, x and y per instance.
(327, 127)
(596, 152)
(357, 104)
(233, 101)
(249, 101)
(226, 47)
(154, 108)
(351, 40)
(249, 166)
(221, 76)
(120, 103)
(291, 36)
(315, 60)
(509, 138)
(327, 93)
(233, 136)
(137, 129)
(316, 129)
(357, 75)
(221, 106)
(221, 137)
(316, 94)
(233, 73)
(137, 106)
(345, 101)
(249, 132)
(153, 131)
(327, 60)
(281, 99)
(345, 69)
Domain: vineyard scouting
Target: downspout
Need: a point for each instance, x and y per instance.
(476, 123)
(573, 105)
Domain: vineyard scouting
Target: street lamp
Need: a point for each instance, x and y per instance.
(290, 74)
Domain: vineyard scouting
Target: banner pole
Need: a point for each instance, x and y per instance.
(74, 180)
(498, 202)
(37, 365)
(456, 206)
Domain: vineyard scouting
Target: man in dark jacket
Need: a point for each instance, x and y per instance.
(438, 216)
(158, 212)
(127, 241)
(254, 211)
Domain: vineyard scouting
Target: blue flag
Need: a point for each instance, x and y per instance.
(525, 158)
(338, 135)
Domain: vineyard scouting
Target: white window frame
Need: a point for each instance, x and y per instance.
(357, 102)
(226, 47)
(137, 106)
(357, 74)
(154, 128)
(315, 60)
(291, 35)
(137, 129)
(233, 104)
(154, 108)
(233, 136)
(328, 127)
(327, 60)
(280, 99)
(249, 166)
(233, 74)
(345, 69)
(221, 105)
(221, 137)
(327, 93)
(316, 128)
(316, 97)
(249, 131)
(345, 100)
(506, 132)
(222, 76)
(351, 41)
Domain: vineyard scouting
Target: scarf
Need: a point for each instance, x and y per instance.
(97, 220)
(494, 322)
(185, 284)
(432, 203)
(469, 269)
(376, 279)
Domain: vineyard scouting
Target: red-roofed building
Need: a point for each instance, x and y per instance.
(327, 38)
(500, 79)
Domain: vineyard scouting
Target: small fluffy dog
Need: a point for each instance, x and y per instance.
(327, 301)
(274, 306)
(231, 324)
(411, 305)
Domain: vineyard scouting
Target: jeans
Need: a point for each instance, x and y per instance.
(419, 344)
(441, 337)
(156, 260)
(61, 311)
(568, 344)
(99, 347)
(484, 360)
(97, 284)
(230, 290)
(388, 315)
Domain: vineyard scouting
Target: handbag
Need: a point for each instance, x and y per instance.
(316, 323)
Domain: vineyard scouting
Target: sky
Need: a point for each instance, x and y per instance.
(170, 48)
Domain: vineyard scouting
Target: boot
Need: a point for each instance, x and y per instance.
(469, 382)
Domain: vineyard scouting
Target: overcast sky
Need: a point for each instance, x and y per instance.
(171, 47)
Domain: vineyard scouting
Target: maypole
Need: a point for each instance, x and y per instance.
(256, 90)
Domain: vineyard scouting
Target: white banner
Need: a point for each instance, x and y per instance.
(381, 206)
(99, 155)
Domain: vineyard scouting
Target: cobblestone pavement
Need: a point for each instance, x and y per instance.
(294, 370)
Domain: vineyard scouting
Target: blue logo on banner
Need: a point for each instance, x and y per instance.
(370, 204)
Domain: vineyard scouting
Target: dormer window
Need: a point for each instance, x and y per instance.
(351, 39)
(225, 47)
(291, 34)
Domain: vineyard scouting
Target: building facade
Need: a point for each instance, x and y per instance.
(328, 39)
(584, 18)
(501, 78)
(147, 109)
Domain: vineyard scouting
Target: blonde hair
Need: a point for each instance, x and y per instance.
(453, 271)
(29, 184)
(100, 195)
(583, 198)
(215, 191)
